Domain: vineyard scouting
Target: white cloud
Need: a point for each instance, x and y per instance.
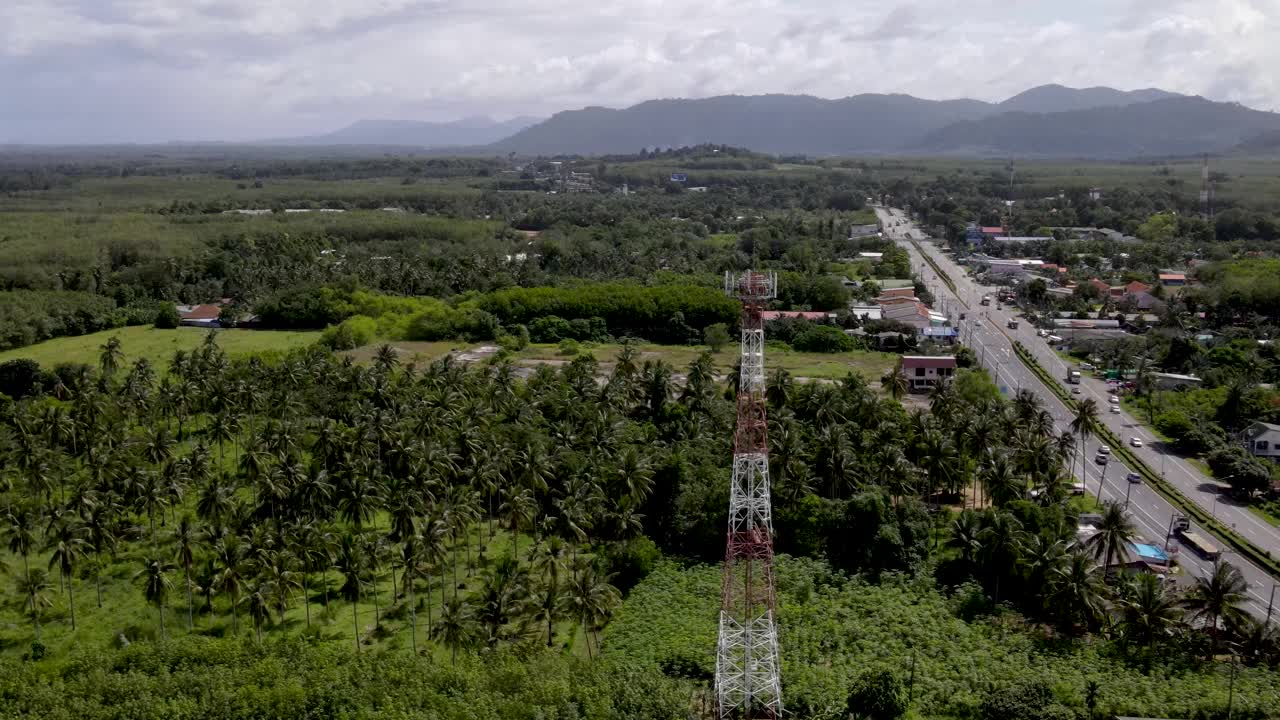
(94, 70)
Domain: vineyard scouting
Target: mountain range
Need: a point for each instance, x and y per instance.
(1050, 121)
(412, 133)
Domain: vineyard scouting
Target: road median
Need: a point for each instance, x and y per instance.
(942, 275)
(1257, 555)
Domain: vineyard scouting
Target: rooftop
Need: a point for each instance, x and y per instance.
(928, 361)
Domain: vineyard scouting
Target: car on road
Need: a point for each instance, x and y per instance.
(962, 316)
(1042, 333)
(1135, 442)
(1075, 390)
(1133, 477)
(1104, 450)
(1077, 488)
(1114, 399)
(1115, 409)
(1102, 459)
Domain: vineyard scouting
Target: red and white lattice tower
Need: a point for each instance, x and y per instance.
(747, 681)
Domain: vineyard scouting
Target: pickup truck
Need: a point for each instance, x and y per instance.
(986, 300)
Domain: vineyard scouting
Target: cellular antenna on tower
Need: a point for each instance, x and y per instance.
(748, 684)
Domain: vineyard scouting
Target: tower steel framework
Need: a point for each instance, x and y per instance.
(747, 668)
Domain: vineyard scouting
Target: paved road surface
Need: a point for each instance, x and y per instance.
(985, 331)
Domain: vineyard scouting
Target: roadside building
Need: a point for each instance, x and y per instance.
(1262, 439)
(1173, 279)
(924, 372)
(865, 312)
(1173, 381)
(816, 316)
(205, 315)
(862, 231)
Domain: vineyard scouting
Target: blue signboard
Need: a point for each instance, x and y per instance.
(679, 177)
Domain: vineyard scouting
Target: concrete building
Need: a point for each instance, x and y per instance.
(924, 372)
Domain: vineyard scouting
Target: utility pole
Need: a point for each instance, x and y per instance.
(1270, 601)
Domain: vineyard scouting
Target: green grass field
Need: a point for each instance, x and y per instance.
(824, 366)
(157, 346)
(828, 366)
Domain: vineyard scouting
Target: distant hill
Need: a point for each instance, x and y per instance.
(1172, 126)
(1047, 121)
(411, 133)
(782, 124)
(1057, 98)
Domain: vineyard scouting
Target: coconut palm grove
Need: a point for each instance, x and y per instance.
(471, 485)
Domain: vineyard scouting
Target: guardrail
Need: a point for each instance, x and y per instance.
(1260, 557)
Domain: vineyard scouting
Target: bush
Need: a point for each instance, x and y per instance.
(631, 561)
(20, 378)
(446, 323)
(822, 338)
(167, 317)
(1027, 700)
(716, 336)
(550, 329)
(877, 695)
(350, 334)
(569, 347)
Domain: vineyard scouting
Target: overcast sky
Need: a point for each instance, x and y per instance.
(159, 70)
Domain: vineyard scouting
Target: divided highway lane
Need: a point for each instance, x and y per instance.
(989, 337)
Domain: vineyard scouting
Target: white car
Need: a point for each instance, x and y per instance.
(1135, 442)
(1115, 409)
(1113, 399)
(1104, 450)
(1075, 390)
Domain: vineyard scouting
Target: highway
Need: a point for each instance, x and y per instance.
(985, 330)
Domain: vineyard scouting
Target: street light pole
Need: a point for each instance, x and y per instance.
(1270, 602)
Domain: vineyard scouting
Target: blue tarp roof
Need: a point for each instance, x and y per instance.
(1150, 552)
(940, 331)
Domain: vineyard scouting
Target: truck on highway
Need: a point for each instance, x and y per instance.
(1197, 542)
(1073, 377)
(986, 300)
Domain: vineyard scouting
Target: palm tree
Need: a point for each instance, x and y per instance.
(110, 357)
(231, 574)
(1082, 425)
(1001, 546)
(156, 584)
(896, 381)
(1075, 591)
(259, 602)
(385, 358)
(22, 534)
(591, 599)
(34, 586)
(1218, 599)
(1149, 613)
(68, 545)
(456, 628)
(186, 536)
(348, 560)
(1115, 533)
(966, 535)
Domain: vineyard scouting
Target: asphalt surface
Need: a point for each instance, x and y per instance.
(985, 330)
